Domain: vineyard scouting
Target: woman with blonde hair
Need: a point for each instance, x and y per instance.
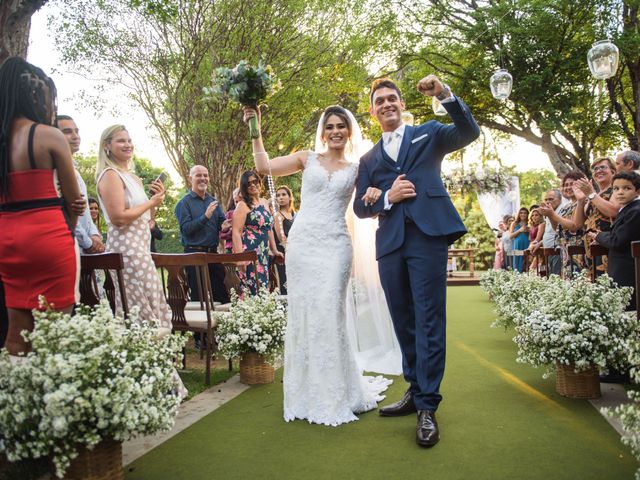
(127, 211)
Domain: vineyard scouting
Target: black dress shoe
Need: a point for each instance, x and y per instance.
(404, 407)
(427, 433)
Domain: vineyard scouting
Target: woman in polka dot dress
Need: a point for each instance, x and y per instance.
(126, 210)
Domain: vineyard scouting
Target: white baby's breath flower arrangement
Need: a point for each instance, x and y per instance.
(255, 324)
(629, 413)
(578, 323)
(89, 377)
(516, 295)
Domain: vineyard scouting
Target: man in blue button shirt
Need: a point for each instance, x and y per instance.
(201, 219)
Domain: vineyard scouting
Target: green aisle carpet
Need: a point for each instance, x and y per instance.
(499, 420)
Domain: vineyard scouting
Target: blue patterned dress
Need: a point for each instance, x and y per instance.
(255, 237)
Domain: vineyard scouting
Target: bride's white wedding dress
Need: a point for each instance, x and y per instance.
(322, 381)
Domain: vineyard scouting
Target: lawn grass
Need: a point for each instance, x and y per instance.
(499, 420)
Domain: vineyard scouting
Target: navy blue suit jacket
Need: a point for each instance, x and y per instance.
(420, 157)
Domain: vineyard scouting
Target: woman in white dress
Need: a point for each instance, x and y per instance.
(322, 381)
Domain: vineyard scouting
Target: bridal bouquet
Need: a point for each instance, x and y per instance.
(89, 377)
(255, 324)
(244, 84)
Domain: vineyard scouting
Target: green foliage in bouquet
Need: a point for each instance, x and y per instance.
(255, 324)
(89, 377)
(578, 322)
(244, 84)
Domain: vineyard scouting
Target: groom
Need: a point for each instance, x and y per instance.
(417, 222)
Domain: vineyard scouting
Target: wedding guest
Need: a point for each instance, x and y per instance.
(519, 234)
(569, 234)
(628, 161)
(37, 249)
(252, 231)
(201, 218)
(625, 229)
(126, 211)
(94, 210)
(87, 234)
(225, 232)
(547, 235)
(507, 244)
(284, 221)
(536, 222)
(600, 210)
(498, 260)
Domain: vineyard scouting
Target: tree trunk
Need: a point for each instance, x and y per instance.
(15, 23)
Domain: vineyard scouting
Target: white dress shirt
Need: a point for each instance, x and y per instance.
(391, 144)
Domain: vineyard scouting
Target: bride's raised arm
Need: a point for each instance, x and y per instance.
(280, 166)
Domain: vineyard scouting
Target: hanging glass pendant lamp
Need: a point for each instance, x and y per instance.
(603, 59)
(407, 118)
(501, 83)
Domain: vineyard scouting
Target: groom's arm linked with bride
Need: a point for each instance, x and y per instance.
(417, 223)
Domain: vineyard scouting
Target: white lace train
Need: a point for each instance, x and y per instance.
(322, 381)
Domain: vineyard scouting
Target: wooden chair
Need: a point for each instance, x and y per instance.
(274, 278)
(176, 292)
(89, 290)
(231, 279)
(547, 253)
(596, 251)
(635, 252)
(538, 257)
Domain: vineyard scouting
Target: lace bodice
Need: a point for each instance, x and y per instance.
(325, 196)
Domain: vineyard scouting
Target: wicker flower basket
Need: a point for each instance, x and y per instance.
(254, 370)
(585, 384)
(104, 462)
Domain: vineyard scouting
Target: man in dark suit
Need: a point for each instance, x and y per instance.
(417, 222)
(625, 229)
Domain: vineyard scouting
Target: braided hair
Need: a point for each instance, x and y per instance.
(25, 91)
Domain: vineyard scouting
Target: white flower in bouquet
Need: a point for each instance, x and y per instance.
(89, 377)
(255, 324)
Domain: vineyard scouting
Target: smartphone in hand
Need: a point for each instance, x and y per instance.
(162, 177)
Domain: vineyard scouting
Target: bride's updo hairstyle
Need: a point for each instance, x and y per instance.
(339, 112)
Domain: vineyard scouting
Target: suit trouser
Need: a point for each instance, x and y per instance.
(414, 279)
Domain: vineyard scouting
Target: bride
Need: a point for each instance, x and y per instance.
(322, 381)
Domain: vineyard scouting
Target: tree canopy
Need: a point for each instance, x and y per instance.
(319, 49)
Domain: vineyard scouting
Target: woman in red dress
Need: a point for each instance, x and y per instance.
(37, 249)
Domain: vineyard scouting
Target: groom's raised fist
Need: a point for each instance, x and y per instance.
(430, 86)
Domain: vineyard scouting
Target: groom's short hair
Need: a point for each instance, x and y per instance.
(383, 83)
